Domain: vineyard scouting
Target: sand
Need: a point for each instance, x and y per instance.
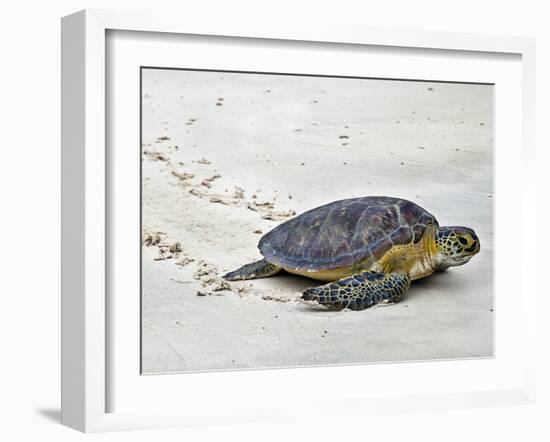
(228, 157)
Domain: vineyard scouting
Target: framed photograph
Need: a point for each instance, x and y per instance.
(263, 222)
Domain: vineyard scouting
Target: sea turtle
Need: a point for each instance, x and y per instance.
(368, 249)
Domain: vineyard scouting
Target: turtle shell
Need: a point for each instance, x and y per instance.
(345, 232)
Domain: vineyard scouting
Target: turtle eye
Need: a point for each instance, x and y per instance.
(462, 240)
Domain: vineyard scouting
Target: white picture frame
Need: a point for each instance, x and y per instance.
(86, 316)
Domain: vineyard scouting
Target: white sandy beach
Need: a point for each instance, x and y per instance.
(229, 155)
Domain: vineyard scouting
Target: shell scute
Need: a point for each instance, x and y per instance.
(403, 235)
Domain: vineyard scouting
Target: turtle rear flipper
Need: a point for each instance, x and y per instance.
(254, 270)
(360, 291)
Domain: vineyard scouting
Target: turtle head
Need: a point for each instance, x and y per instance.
(455, 246)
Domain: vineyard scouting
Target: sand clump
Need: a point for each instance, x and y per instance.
(155, 156)
(184, 177)
(207, 275)
(184, 260)
(282, 297)
(273, 215)
(256, 206)
(207, 182)
(238, 193)
(166, 249)
(151, 239)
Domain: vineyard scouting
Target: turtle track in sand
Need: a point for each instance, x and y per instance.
(202, 186)
(205, 184)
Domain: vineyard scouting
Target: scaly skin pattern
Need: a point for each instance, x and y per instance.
(417, 260)
(258, 269)
(360, 291)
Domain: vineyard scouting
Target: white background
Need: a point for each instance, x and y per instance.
(29, 174)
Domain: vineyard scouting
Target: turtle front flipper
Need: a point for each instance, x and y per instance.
(360, 291)
(254, 270)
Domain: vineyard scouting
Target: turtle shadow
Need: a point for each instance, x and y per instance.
(287, 282)
(433, 279)
(316, 309)
(295, 283)
(430, 286)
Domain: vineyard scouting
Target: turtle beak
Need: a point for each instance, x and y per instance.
(477, 245)
(470, 253)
